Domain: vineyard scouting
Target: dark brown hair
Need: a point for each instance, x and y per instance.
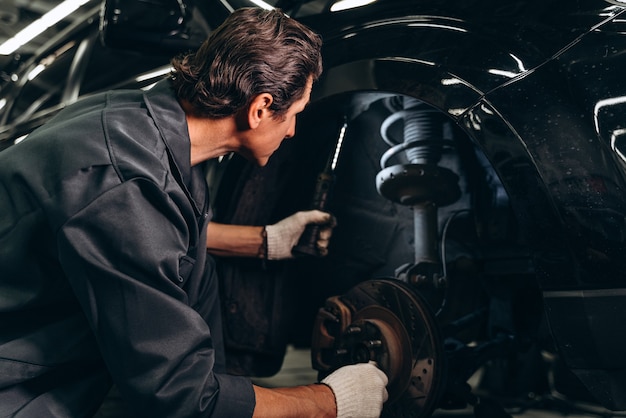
(254, 51)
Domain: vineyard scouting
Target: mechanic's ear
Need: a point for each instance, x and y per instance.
(259, 109)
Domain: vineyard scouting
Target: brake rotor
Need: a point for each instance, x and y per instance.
(384, 321)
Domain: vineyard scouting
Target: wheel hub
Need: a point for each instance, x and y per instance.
(384, 321)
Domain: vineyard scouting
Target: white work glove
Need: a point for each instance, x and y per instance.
(360, 390)
(284, 235)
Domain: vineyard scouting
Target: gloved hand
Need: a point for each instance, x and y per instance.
(284, 235)
(360, 390)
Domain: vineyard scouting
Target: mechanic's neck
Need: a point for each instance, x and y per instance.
(209, 137)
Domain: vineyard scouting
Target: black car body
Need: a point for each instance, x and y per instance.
(507, 214)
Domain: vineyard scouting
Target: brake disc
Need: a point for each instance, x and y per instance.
(384, 321)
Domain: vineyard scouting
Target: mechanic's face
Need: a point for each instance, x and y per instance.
(271, 132)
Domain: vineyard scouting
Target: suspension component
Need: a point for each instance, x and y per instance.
(419, 181)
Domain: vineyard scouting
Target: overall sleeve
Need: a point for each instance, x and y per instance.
(126, 257)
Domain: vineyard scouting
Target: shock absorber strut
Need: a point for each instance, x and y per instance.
(418, 180)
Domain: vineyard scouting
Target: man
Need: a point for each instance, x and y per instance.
(104, 273)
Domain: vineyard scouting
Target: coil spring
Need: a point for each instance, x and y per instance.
(422, 133)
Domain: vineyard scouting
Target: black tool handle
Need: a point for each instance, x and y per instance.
(307, 245)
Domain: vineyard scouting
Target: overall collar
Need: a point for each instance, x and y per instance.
(171, 122)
